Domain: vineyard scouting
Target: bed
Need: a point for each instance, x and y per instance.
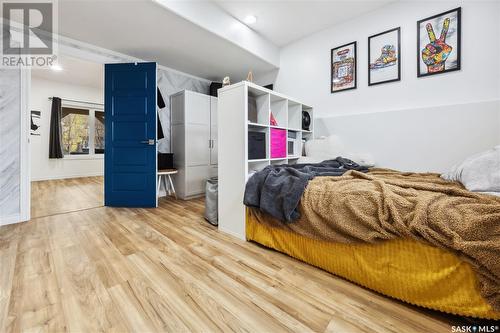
(405, 268)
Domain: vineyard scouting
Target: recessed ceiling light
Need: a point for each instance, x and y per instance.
(56, 68)
(250, 19)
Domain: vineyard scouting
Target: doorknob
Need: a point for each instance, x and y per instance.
(150, 142)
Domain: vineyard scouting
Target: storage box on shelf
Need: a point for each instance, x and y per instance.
(249, 141)
(278, 143)
(257, 143)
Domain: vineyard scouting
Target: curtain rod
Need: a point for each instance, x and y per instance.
(76, 101)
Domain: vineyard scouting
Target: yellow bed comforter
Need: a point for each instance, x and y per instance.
(408, 270)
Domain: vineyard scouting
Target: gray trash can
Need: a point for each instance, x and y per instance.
(211, 200)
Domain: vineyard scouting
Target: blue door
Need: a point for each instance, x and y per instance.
(130, 154)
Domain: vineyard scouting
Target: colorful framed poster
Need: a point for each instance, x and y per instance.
(437, 55)
(384, 57)
(343, 67)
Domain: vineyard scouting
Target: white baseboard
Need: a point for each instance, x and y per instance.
(11, 219)
(95, 174)
(232, 233)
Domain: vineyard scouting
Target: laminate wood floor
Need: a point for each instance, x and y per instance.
(165, 269)
(51, 197)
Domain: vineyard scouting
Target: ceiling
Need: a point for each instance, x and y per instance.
(283, 22)
(74, 71)
(142, 29)
(145, 30)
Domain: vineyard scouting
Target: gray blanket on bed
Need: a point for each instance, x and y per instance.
(277, 189)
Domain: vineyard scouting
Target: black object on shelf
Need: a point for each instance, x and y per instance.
(306, 120)
(214, 86)
(269, 86)
(291, 145)
(256, 145)
(165, 161)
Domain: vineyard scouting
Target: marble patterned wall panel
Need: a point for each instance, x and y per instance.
(10, 133)
(169, 83)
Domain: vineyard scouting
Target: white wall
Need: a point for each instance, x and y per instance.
(41, 166)
(422, 139)
(305, 65)
(305, 74)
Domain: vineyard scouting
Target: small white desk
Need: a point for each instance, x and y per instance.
(169, 187)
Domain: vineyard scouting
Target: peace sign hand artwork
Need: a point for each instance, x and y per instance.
(435, 53)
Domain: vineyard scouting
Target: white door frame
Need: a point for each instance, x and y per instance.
(25, 153)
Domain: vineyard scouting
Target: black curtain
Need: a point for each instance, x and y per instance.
(55, 136)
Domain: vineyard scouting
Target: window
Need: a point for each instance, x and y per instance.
(82, 131)
(75, 131)
(99, 132)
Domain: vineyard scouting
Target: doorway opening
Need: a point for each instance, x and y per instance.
(74, 181)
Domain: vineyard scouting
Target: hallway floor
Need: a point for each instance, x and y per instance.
(51, 197)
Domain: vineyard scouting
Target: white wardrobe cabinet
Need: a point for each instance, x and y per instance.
(213, 130)
(194, 141)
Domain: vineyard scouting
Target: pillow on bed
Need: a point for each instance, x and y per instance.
(324, 148)
(478, 173)
(327, 148)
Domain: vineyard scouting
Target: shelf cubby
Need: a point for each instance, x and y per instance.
(294, 136)
(260, 129)
(256, 165)
(258, 107)
(309, 110)
(294, 115)
(279, 108)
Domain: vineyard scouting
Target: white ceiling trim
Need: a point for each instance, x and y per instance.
(212, 18)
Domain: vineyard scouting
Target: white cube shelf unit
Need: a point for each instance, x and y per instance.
(242, 108)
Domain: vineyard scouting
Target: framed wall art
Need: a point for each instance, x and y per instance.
(384, 57)
(343, 67)
(437, 54)
(35, 122)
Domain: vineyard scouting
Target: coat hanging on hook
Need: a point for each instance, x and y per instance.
(161, 104)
